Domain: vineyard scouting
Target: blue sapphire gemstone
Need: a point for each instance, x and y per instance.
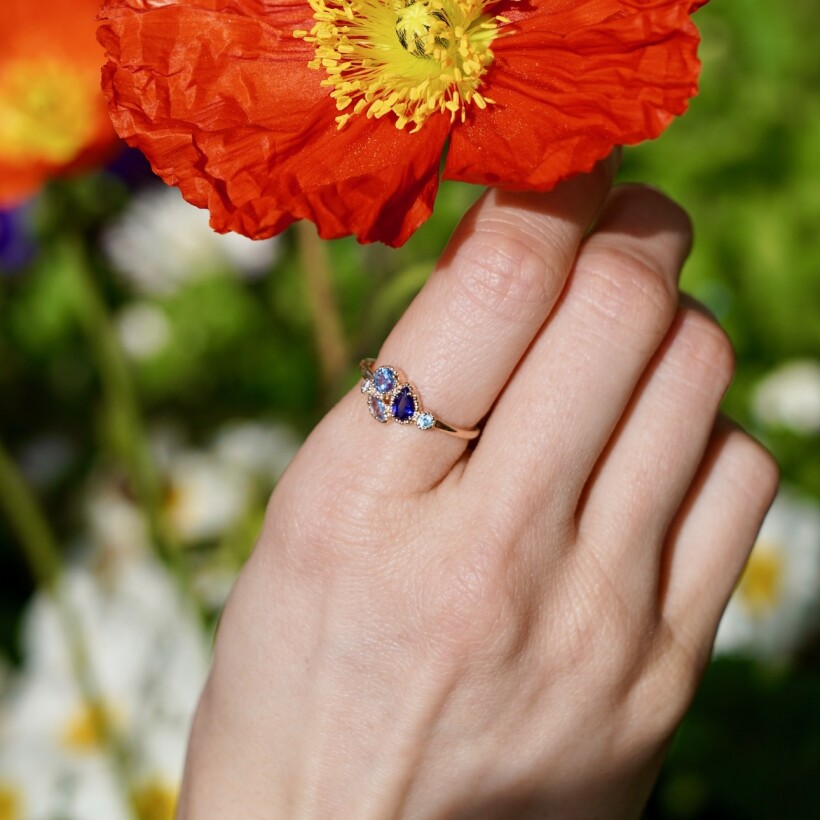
(404, 405)
(377, 408)
(384, 379)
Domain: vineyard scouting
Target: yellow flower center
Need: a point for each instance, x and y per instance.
(155, 800)
(411, 58)
(46, 111)
(85, 729)
(10, 803)
(762, 581)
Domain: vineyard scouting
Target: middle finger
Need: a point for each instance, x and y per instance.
(559, 410)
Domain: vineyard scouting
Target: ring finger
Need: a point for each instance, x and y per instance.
(465, 332)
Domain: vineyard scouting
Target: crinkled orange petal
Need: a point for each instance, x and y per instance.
(219, 97)
(218, 94)
(370, 179)
(570, 80)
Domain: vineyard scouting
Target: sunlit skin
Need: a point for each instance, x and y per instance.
(433, 629)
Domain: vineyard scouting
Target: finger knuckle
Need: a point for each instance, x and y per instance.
(600, 623)
(464, 609)
(499, 271)
(322, 530)
(751, 458)
(767, 470)
(707, 349)
(656, 209)
(667, 687)
(627, 291)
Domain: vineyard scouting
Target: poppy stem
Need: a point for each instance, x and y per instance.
(331, 345)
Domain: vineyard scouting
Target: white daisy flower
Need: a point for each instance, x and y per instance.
(776, 604)
(143, 329)
(52, 758)
(211, 488)
(117, 526)
(161, 241)
(790, 397)
(148, 656)
(259, 448)
(206, 495)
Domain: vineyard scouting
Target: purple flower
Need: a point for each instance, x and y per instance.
(17, 244)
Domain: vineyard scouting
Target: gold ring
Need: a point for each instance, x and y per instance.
(391, 396)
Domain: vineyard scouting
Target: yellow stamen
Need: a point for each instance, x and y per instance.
(411, 58)
(761, 584)
(46, 111)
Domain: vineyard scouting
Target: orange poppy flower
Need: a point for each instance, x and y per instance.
(53, 118)
(338, 111)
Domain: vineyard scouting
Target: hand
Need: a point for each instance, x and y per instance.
(431, 630)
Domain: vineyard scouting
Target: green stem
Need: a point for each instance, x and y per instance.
(125, 417)
(42, 554)
(121, 404)
(23, 513)
(39, 547)
(327, 325)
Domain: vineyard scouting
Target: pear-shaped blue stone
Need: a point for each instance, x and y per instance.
(404, 405)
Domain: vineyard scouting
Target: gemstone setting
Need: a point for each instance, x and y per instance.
(385, 380)
(390, 397)
(377, 409)
(425, 421)
(404, 405)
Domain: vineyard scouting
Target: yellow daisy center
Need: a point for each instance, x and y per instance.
(411, 58)
(761, 584)
(10, 803)
(85, 728)
(156, 800)
(46, 112)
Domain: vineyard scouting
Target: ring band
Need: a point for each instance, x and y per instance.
(391, 396)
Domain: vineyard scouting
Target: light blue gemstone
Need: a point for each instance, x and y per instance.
(377, 408)
(384, 379)
(425, 421)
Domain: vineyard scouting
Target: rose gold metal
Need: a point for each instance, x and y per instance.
(368, 370)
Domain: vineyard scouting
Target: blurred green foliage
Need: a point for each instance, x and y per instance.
(745, 162)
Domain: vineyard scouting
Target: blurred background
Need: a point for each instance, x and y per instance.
(156, 378)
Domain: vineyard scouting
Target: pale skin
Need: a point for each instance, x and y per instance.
(432, 630)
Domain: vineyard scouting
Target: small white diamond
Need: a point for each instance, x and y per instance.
(425, 421)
